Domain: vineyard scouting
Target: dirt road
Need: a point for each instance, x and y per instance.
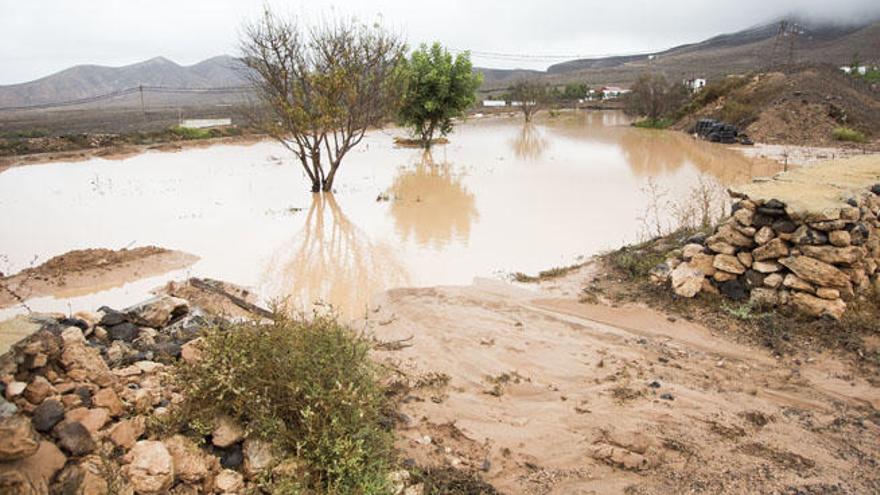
(548, 395)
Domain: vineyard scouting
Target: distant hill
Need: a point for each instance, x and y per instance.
(84, 81)
(740, 52)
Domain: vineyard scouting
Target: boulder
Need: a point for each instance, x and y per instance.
(48, 414)
(840, 238)
(826, 293)
(805, 236)
(704, 263)
(126, 433)
(818, 307)
(125, 332)
(829, 225)
(38, 390)
(792, 281)
(729, 264)
(151, 468)
(258, 456)
(229, 482)
(686, 281)
(226, 432)
(36, 470)
(7, 408)
(14, 389)
(720, 247)
(815, 271)
(764, 235)
(764, 298)
(744, 216)
(190, 463)
(835, 255)
(728, 234)
(722, 276)
(745, 258)
(766, 266)
(690, 250)
(773, 281)
(776, 248)
(191, 353)
(78, 356)
(17, 438)
(107, 399)
(92, 419)
(734, 289)
(74, 438)
(158, 311)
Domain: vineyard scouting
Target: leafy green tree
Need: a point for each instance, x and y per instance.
(575, 91)
(438, 88)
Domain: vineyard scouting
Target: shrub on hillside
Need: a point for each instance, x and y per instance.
(308, 387)
(847, 134)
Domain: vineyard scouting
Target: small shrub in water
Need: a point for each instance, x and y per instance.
(308, 387)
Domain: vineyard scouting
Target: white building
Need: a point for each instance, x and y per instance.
(494, 103)
(862, 69)
(696, 84)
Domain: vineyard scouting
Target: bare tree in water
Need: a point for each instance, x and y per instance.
(532, 96)
(322, 86)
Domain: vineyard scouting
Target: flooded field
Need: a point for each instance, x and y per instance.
(499, 198)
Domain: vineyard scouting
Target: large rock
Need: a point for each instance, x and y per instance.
(764, 235)
(815, 271)
(190, 463)
(686, 280)
(728, 263)
(48, 414)
(721, 247)
(151, 468)
(258, 456)
(92, 419)
(772, 250)
(704, 263)
(157, 312)
(126, 433)
(78, 356)
(229, 482)
(816, 306)
(38, 390)
(17, 438)
(805, 236)
(690, 250)
(840, 238)
(764, 298)
(766, 266)
(35, 471)
(226, 432)
(728, 234)
(74, 438)
(792, 281)
(107, 398)
(773, 281)
(835, 255)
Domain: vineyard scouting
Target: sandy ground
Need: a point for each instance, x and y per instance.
(803, 155)
(89, 270)
(549, 395)
(119, 152)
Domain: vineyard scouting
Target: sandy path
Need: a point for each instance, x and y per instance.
(574, 410)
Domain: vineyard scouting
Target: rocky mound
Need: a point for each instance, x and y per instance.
(81, 397)
(808, 238)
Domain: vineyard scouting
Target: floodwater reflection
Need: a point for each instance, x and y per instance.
(530, 143)
(431, 205)
(331, 261)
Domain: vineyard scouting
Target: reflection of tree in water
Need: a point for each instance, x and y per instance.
(431, 204)
(530, 143)
(331, 260)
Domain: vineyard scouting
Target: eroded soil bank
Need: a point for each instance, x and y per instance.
(549, 394)
(89, 270)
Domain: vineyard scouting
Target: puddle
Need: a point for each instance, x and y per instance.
(499, 198)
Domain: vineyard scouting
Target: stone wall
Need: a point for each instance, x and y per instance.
(813, 254)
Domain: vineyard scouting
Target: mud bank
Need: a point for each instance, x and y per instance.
(549, 395)
(89, 270)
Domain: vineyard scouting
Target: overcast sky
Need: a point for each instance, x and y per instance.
(39, 37)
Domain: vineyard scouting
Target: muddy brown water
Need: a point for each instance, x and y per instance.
(500, 198)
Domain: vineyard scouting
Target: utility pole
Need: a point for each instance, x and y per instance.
(143, 107)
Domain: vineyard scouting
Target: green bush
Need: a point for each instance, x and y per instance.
(309, 387)
(636, 262)
(190, 133)
(653, 123)
(847, 134)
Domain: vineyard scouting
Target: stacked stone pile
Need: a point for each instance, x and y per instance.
(77, 398)
(772, 254)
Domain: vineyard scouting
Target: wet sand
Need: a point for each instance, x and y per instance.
(555, 396)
